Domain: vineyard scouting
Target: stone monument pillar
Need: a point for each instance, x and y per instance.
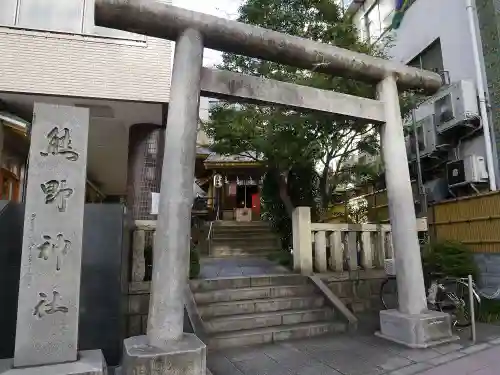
(49, 287)
(412, 324)
(167, 349)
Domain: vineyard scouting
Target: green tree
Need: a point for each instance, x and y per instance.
(284, 138)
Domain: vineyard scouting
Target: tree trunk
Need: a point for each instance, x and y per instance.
(324, 189)
(285, 197)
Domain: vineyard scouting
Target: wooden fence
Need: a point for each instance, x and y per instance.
(377, 204)
(474, 221)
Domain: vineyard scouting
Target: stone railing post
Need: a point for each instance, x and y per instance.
(302, 240)
(320, 262)
(337, 251)
(138, 259)
(368, 250)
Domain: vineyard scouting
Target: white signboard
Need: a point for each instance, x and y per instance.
(218, 182)
(155, 202)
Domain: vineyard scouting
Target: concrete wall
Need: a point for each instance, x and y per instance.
(104, 263)
(84, 66)
(358, 290)
(103, 283)
(11, 234)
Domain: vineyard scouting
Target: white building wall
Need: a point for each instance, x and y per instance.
(427, 20)
(84, 66)
(424, 22)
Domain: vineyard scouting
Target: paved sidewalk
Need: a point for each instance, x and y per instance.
(233, 267)
(362, 354)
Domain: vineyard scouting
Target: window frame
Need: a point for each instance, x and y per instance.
(424, 52)
(366, 22)
(87, 27)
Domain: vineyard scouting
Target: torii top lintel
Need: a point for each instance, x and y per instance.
(157, 19)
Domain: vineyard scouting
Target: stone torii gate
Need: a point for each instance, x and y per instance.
(412, 324)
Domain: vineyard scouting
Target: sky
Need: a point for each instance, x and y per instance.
(219, 8)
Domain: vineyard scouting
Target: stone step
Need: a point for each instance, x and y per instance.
(259, 305)
(243, 254)
(241, 294)
(261, 320)
(242, 229)
(242, 234)
(240, 224)
(273, 334)
(224, 251)
(245, 244)
(200, 285)
(244, 237)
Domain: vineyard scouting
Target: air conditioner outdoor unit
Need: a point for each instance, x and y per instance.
(471, 169)
(455, 105)
(426, 138)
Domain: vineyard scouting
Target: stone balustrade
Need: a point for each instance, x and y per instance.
(328, 247)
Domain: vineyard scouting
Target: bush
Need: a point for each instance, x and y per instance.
(489, 311)
(449, 258)
(283, 258)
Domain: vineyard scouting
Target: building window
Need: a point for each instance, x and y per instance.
(431, 58)
(8, 9)
(68, 16)
(378, 19)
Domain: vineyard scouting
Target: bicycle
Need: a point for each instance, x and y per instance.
(445, 294)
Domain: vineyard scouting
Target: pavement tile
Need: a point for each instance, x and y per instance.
(220, 365)
(419, 355)
(475, 348)
(485, 371)
(394, 363)
(245, 353)
(495, 341)
(317, 368)
(412, 369)
(448, 348)
(262, 367)
(445, 358)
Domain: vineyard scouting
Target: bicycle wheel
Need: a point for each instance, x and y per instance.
(389, 293)
(453, 298)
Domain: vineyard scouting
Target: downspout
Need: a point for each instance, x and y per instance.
(471, 16)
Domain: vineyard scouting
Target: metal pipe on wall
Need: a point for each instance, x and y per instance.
(481, 91)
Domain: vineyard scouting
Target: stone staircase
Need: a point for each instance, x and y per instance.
(261, 309)
(237, 239)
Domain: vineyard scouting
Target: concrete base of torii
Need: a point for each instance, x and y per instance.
(90, 362)
(186, 356)
(424, 330)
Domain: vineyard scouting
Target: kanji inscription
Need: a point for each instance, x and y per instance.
(57, 246)
(46, 306)
(60, 143)
(56, 191)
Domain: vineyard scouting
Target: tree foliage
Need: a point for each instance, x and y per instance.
(284, 138)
